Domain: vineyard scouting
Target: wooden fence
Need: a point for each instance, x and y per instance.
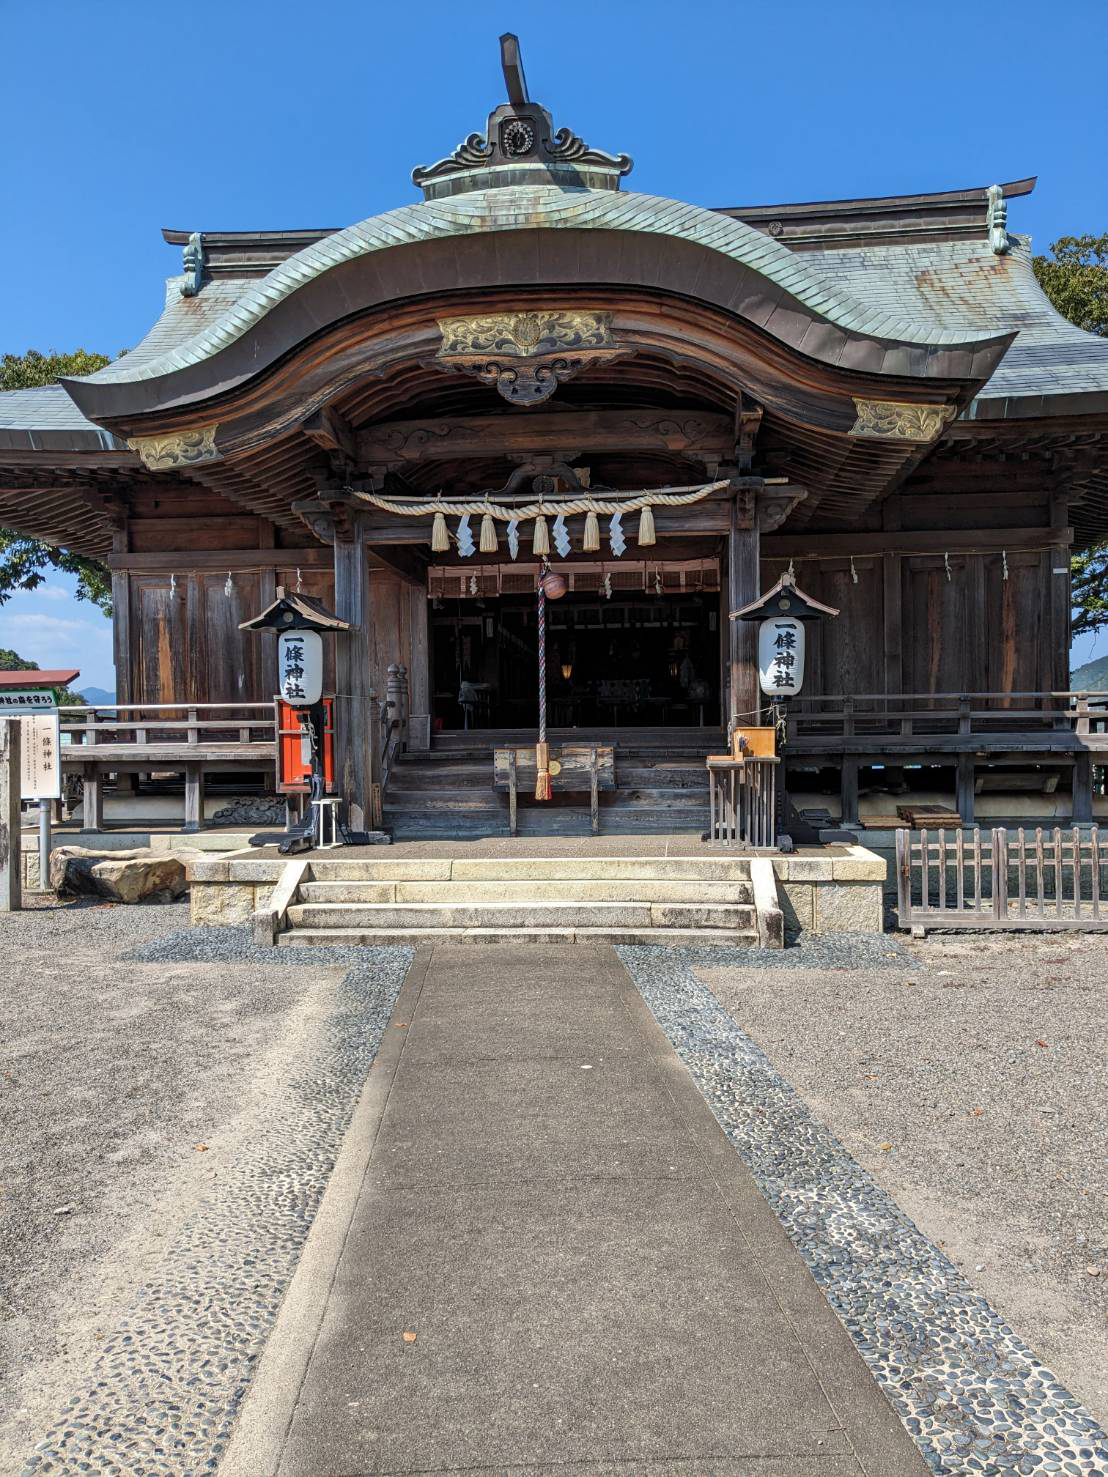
(1040, 879)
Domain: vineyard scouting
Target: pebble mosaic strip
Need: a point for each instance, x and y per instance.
(168, 1383)
(973, 1396)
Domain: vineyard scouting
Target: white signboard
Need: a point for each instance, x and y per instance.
(26, 701)
(300, 666)
(781, 656)
(39, 741)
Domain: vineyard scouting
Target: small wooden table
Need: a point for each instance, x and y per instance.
(589, 767)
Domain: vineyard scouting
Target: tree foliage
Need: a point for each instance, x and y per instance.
(1075, 279)
(30, 370)
(1090, 588)
(24, 562)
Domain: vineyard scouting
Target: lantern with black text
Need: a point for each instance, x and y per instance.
(300, 667)
(781, 656)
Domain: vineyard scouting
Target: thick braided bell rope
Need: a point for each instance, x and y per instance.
(661, 497)
(542, 662)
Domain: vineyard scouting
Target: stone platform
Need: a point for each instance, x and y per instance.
(648, 889)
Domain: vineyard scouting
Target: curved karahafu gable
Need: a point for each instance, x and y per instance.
(556, 238)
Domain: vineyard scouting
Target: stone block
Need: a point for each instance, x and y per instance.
(796, 903)
(202, 870)
(861, 865)
(849, 907)
(222, 904)
(808, 868)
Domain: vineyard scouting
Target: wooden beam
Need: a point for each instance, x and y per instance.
(811, 544)
(327, 428)
(699, 434)
(317, 557)
(408, 562)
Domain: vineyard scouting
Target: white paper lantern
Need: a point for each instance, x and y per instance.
(300, 667)
(781, 656)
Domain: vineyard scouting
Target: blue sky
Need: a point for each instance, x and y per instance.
(138, 114)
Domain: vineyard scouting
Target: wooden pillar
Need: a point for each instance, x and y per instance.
(194, 797)
(965, 784)
(743, 586)
(11, 840)
(356, 726)
(92, 800)
(848, 791)
(1083, 787)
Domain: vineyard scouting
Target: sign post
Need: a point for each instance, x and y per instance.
(11, 860)
(40, 760)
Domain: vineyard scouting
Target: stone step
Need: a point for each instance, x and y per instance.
(527, 913)
(591, 890)
(677, 938)
(712, 868)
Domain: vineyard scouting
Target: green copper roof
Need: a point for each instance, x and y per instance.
(548, 209)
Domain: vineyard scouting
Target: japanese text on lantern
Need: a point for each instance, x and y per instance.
(781, 656)
(300, 666)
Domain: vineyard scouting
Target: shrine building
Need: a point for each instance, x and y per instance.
(676, 404)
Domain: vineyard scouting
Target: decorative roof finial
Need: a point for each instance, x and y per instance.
(996, 220)
(520, 147)
(193, 258)
(511, 63)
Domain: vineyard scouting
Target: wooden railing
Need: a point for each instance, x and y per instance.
(950, 720)
(218, 726)
(1041, 879)
(137, 738)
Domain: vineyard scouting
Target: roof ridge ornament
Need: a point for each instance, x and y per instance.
(192, 257)
(520, 147)
(996, 220)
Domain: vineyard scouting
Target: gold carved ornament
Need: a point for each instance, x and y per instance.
(178, 449)
(526, 356)
(892, 420)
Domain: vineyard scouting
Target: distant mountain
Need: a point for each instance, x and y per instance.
(93, 695)
(1092, 677)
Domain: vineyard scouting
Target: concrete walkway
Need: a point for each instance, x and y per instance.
(539, 1251)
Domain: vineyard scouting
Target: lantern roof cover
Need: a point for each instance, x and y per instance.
(295, 613)
(785, 598)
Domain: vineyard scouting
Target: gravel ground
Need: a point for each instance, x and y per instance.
(968, 1075)
(134, 1082)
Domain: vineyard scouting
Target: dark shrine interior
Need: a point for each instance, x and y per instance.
(640, 660)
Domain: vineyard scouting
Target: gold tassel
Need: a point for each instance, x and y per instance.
(488, 535)
(540, 543)
(440, 539)
(592, 533)
(646, 528)
(542, 771)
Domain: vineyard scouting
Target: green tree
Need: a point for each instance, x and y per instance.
(1075, 279)
(11, 661)
(24, 561)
